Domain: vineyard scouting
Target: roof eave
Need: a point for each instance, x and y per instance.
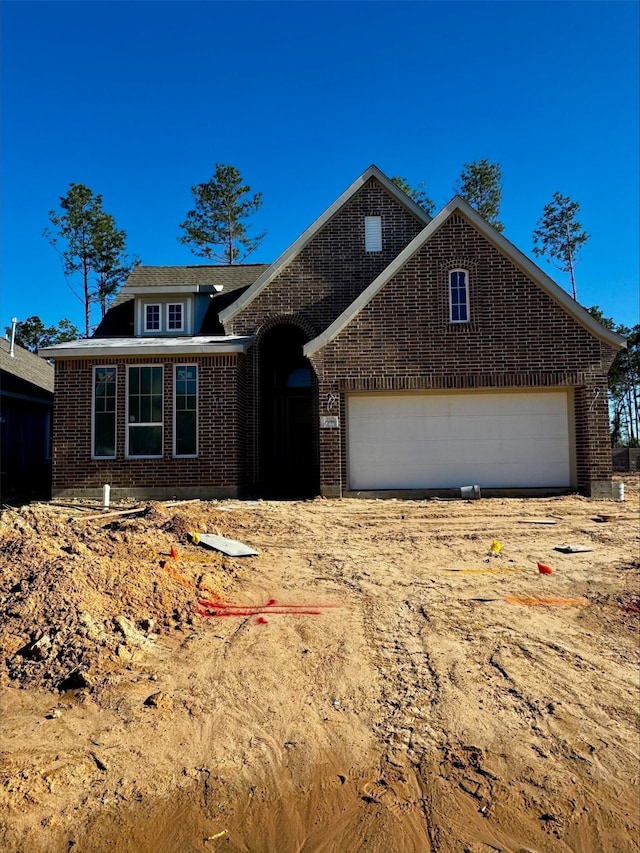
(96, 347)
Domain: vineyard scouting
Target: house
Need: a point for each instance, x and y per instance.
(383, 352)
(26, 406)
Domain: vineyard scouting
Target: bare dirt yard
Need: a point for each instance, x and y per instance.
(377, 679)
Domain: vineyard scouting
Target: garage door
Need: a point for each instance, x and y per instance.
(436, 441)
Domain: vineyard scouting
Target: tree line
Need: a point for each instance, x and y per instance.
(96, 262)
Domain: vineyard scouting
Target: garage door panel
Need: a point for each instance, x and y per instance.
(443, 441)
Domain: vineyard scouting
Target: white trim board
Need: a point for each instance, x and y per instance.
(116, 347)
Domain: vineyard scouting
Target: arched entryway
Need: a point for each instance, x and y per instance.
(288, 423)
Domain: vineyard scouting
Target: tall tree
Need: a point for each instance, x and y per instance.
(559, 236)
(623, 384)
(480, 184)
(111, 263)
(32, 333)
(91, 247)
(418, 194)
(215, 228)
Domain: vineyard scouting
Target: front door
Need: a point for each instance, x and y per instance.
(288, 443)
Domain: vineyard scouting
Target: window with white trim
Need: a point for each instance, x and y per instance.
(373, 233)
(175, 317)
(144, 411)
(458, 296)
(103, 442)
(185, 431)
(152, 318)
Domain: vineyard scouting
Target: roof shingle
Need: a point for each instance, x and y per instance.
(26, 366)
(231, 277)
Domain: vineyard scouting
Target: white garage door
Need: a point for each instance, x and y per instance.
(437, 441)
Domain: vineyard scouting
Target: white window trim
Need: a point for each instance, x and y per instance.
(466, 280)
(163, 304)
(175, 381)
(373, 234)
(153, 423)
(145, 318)
(93, 410)
(182, 317)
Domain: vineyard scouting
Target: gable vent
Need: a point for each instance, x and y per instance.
(373, 233)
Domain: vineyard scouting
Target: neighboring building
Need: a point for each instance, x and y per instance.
(383, 352)
(26, 405)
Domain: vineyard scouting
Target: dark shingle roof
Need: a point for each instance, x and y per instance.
(26, 366)
(231, 277)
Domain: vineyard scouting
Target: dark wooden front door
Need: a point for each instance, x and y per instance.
(288, 442)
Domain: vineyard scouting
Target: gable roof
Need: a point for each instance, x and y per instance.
(459, 205)
(229, 276)
(312, 230)
(26, 366)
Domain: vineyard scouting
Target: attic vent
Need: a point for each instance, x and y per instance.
(456, 219)
(373, 233)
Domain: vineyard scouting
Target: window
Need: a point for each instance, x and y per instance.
(185, 435)
(174, 317)
(152, 318)
(104, 413)
(144, 411)
(458, 296)
(373, 233)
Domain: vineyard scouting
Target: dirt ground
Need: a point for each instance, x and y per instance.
(377, 679)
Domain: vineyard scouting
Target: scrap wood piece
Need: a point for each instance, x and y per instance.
(529, 600)
(219, 543)
(532, 602)
(572, 549)
(536, 521)
(138, 510)
(501, 570)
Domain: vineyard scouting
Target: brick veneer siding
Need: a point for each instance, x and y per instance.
(216, 472)
(517, 338)
(333, 268)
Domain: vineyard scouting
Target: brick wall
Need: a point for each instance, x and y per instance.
(333, 269)
(518, 337)
(217, 470)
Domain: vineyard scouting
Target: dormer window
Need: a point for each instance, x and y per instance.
(152, 318)
(164, 317)
(175, 315)
(373, 233)
(458, 296)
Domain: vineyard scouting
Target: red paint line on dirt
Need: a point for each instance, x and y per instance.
(253, 612)
(218, 608)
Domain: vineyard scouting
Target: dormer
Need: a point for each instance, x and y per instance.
(167, 311)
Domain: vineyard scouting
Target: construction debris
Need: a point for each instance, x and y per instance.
(226, 546)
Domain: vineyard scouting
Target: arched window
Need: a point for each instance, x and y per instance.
(458, 296)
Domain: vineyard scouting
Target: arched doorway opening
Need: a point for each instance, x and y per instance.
(288, 425)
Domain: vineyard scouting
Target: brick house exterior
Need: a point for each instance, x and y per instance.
(384, 352)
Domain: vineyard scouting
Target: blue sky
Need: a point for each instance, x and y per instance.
(140, 100)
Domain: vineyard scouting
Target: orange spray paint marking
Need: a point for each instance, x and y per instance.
(262, 621)
(185, 582)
